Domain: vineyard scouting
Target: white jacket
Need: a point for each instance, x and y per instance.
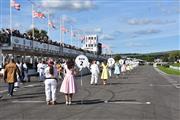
(94, 69)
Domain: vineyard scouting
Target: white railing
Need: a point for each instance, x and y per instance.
(174, 67)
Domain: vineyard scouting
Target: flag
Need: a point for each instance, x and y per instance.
(63, 29)
(73, 34)
(105, 46)
(38, 15)
(15, 5)
(51, 24)
(82, 38)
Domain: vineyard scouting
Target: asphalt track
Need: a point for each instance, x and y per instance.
(142, 94)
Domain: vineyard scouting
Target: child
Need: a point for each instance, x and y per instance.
(68, 85)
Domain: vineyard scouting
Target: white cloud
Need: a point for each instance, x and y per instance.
(147, 32)
(136, 45)
(106, 37)
(146, 21)
(68, 19)
(77, 5)
(97, 30)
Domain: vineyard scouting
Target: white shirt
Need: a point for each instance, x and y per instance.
(48, 75)
(94, 69)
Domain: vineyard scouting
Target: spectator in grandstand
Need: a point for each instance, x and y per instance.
(10, 75)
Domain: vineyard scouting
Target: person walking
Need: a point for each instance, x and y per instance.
(10, 75)
(50, 83)
(68, 86)
(94, 73)
(40, 69)
(16, 84)
(25, 70)
(104, 75)
(117, 69)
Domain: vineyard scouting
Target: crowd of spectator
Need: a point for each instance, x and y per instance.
(6, 33)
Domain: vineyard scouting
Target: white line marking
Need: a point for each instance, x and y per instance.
(160, 85)
(3, 91)
(32, 85)
(177, 85)
(123, 102)
(170, 80)
(16, 101)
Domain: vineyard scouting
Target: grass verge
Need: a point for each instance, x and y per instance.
(169, 70)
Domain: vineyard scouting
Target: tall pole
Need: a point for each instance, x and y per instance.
(71, 34)
(32, 25)
(60, 30)
(48, 24)
(63, 31)
(10, 13)
(1, 12)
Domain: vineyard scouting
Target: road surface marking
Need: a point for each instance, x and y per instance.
(3, 91)
(160, 85)
(177, 85)
(17, 101)
(125, 102)
(32, 85)
(170, 80)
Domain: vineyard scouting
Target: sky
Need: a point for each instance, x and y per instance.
(124, 26)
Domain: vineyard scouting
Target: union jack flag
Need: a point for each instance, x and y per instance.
(38, 14)
(15, 5)
(63, 29)
(51, 24)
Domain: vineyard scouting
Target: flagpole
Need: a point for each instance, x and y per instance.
(10, 20)
(63, 31)
(32, 25)
(1, 13)
(71, 34)
(48, 25)
(60, 31)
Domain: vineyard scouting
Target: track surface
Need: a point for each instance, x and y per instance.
(142, 94)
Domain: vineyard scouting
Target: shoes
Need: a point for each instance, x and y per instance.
(54, 102)
(67, 102)
(70, 103)
(48, 103)
(10, 95)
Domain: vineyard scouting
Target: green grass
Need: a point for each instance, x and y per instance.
(169, 70)
(176, 64)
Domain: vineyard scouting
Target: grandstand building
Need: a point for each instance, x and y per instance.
(92, 44)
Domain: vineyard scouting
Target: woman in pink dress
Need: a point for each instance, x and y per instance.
(68, 86)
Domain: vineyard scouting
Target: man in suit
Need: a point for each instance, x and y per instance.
(10, 75)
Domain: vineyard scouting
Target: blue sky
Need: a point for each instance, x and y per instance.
(126, 26)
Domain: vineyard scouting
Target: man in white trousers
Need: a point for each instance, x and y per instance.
(94, 73)
(40, 69)
(50, 82)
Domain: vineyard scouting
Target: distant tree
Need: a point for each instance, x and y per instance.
(117, 57)
(174, 56)
(37, 33)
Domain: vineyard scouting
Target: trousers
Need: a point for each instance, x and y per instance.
(94, 78)
(50, 89)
